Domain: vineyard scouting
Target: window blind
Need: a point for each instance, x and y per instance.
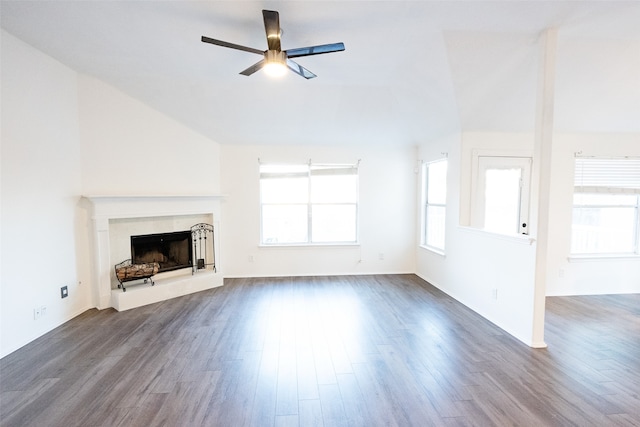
(325, 170)
(283, 171)
(303, 171)
(600, 175)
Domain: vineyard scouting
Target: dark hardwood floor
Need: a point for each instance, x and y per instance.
(332, 351)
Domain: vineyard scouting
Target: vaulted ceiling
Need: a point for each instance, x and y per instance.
(411, 71)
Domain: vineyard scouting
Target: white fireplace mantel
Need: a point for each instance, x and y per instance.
(109, 207)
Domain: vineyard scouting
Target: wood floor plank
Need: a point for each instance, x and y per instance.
(187, 403)
(381, 405)
(354, 404)
(310, 413)
(333, 410)
(265, 394)
(306, 370)
(322, 351)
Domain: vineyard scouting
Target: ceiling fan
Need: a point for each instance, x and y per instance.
(275, 59)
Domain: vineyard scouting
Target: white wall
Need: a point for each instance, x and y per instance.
(588, 276)
(386, 213)
(65, 135)
(42, 244)
(130, 149)
(477, 264)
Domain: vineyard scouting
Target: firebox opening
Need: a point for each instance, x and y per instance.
(172, 251)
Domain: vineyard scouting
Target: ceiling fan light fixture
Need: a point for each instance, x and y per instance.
(275, 63)
(275, 69)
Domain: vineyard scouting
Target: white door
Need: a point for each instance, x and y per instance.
(501, 197)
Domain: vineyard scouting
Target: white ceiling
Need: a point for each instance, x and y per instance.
(411, 71)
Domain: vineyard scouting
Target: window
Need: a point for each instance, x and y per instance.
(606, 205)
(308, 204)
(434, 195)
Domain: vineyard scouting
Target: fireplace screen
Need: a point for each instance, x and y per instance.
(171, 251)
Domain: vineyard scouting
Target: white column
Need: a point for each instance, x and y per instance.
(542, 173)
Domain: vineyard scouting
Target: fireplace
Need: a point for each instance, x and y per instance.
(172, 251)
(116, 218)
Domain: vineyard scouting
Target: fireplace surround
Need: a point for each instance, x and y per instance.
(110, 213)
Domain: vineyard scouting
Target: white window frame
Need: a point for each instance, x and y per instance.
(426, 204)
(612, 176)
(349, 169)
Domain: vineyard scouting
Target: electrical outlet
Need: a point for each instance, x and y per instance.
(43, 310)
(64, 292)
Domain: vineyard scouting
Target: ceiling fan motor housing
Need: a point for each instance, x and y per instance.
(275, 57)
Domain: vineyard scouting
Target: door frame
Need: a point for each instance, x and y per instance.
(518, 159)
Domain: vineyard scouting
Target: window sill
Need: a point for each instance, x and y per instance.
(516, 238)
(603, 257)
(434, 250)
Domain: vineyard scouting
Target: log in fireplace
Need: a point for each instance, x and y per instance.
(172, 251)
